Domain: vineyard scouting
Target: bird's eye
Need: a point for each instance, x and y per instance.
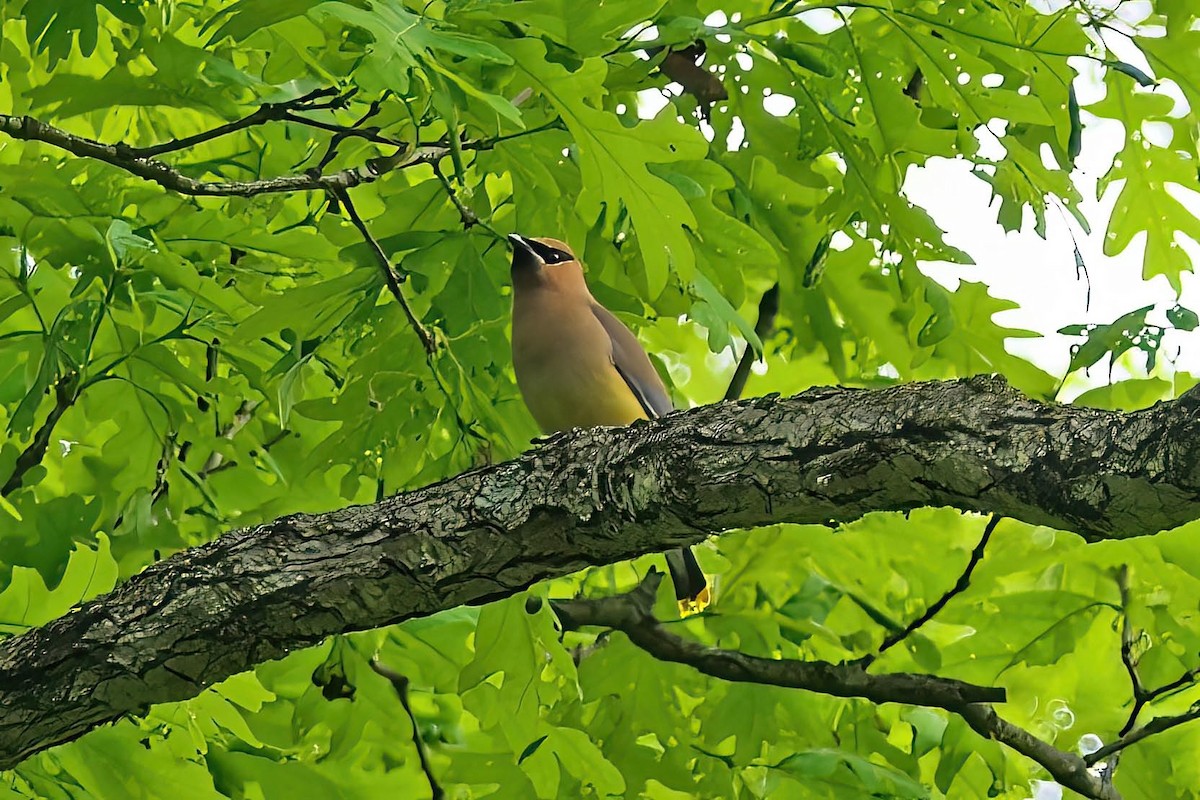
(551, 255)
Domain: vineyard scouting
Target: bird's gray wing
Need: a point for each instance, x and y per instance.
(634, 365)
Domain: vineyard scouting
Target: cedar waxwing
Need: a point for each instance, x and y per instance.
(578, 366)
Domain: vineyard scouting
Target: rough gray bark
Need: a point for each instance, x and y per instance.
(593, 497)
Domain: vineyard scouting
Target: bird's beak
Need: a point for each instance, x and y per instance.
(524, 256)
(521, 244)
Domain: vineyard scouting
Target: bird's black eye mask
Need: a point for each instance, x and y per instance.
(549, 254)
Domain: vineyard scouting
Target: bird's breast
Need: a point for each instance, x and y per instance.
(563, 362)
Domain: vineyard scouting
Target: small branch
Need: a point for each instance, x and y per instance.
(555, 124)
(632, 614)
(355, 129)
(768, 309)
(1127, 656)
(960, 586)
(1183, 680)
(1157, 725)
(240, 418)
(65, 395)
(400, 684)
(1067, 769)
(345, 131)
(267, 112)
(389, 274)
(465, 213)
(139, 161)
(124, 157)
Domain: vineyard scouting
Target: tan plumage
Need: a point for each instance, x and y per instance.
(578, 366)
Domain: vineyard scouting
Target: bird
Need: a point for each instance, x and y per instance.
(578, 366)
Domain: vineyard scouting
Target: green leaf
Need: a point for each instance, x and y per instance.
(1143, 204)
(614, 162)
(804, 55)
(1127, 332)
(123, 240)
(29, 602)
(1075, 140)
(403, 36)
(1183, 319)
(10, 509)
(1128, 395)
(309, 309)
(840, 769)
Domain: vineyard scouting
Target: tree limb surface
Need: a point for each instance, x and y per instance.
(593, 497)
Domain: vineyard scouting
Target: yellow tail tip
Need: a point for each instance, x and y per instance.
(694, 605)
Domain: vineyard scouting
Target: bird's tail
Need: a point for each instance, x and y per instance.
(691, 586)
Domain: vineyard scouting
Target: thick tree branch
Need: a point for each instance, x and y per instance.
(632, 614)
(594, 497)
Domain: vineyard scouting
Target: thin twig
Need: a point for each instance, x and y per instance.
(465, 213)
(555, 124)
(276, 439)
(1127, 656)
(960, 586)
(344, 131)
(66, 392)
(267, 112)
(1156, 725)
(389, 274)
(400, 683)
(336, 140)
(768, 309)
(1183, 680)
(1141, 695)
(240, 418)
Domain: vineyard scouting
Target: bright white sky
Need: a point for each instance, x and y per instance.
(1040, 274)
